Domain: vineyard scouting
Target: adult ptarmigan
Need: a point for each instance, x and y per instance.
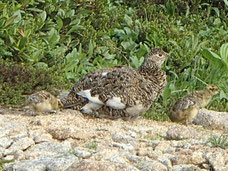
(185, 109)
(43, 101)
(121, 91)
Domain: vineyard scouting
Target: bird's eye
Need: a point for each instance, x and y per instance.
(160, 55)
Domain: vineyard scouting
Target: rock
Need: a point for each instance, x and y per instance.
(5, 142)
(22, 144)
(185, 167)
(166, 161)
(48, 149)
(218, 159)
(180, 133)
(3, 132)
(42, 138)
(15, 154)
(120, 138)
(19, 136)
(63, 133)
(117, 159)
(151, 165)
(55, 163)
(133, 158)
(212, 119)
(89, 165)
(178, 159)
(198, 158)
(123, 146)
(162, 146)
(82, 154)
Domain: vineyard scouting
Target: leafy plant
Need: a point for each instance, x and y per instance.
(219, 141)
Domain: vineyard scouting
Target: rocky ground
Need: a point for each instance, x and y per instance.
(70, 141)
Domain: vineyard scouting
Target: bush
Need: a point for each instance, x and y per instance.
(75, 37)
(18, 80)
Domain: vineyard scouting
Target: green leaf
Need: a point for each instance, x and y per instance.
(223, 95)
(128, 20)
(75, 28)
(10, 21)
(59, 23)
(53, 37)
(224, 53)
(43, 16)
(226, 2)
(90, 49)
(212, 57)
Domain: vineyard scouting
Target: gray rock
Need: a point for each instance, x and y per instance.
(166, 161)
(123, 146)
(151, 165)
(3, 132)
(15, 154)
(82, 154)
(22, 144)
(54, 163)
(217, 159)
(5, 142)
(120, 138)
(48, 149)
(185, 167)
(180, 133)
(212, 119)
(42, 138)
(89, 165)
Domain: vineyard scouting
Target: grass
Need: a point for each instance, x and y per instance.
(219, 141)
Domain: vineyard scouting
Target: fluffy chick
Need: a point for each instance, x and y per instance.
(185, 109)
(44, 101)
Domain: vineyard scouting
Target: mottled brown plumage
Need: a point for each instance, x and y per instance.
(121, 91)
(185, 109)
(43, 101)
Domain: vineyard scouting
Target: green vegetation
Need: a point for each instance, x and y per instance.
(53, 43)
(92, 145)
(2, 162)
(219, 141)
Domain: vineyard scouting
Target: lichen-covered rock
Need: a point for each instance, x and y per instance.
(54, 163)
(185, 167)
(180, 133)
(48, 149)
(151, 165)
(5, 142)
(89, 165)
(211, 119)
(81, 153)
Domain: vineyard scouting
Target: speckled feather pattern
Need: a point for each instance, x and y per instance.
(137, 89)
(185, 109)
(43, 100)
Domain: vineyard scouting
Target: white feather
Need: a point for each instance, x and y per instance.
(87, 94)
(115, 103)
(90, 107)
(104, 74)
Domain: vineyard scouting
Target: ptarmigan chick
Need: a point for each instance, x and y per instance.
(185, 109)
(44, 101)
(121, 91)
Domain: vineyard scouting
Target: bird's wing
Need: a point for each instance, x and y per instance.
(112, 87)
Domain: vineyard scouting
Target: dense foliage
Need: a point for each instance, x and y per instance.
(64, 39)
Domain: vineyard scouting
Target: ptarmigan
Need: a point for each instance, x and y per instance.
(185, 109)
(121, 91)
(44, 101)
